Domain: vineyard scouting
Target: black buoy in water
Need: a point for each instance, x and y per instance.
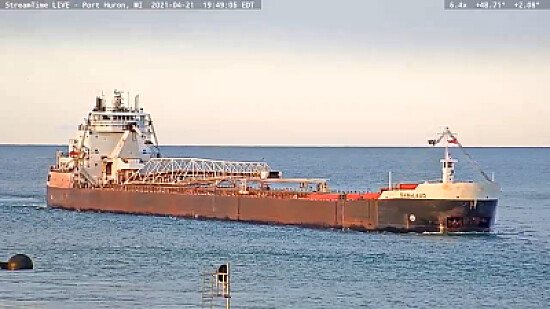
(17, 262)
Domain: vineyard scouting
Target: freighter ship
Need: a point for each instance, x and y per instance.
(114, 165)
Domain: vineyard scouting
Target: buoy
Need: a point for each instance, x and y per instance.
(17, 262)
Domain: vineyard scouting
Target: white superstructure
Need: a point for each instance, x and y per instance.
(115, 140)
(117, 143)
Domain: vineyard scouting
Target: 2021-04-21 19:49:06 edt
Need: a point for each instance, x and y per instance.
(203, 5)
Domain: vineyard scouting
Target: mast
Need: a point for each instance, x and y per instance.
(447, 137)
(447, 163)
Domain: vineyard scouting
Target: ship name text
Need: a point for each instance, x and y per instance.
(412, 195)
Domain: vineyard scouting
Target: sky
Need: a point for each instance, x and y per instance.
(307, 73)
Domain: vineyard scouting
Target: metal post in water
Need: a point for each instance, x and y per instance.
(228, 291)
(216, 284)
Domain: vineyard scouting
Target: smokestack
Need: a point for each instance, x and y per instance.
(136, 103)
(98, 104)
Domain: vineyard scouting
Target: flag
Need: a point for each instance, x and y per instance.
(432, 142)
(453, 141)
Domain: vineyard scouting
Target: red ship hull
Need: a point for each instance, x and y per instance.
(357, 214)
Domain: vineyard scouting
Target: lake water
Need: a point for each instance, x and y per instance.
(100, 260)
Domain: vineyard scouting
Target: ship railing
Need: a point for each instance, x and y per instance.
(454, 181)
(433, 181)
(212, 191)
(60, 169)
(397, 185)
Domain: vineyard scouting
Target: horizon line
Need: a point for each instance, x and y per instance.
(293, 146)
